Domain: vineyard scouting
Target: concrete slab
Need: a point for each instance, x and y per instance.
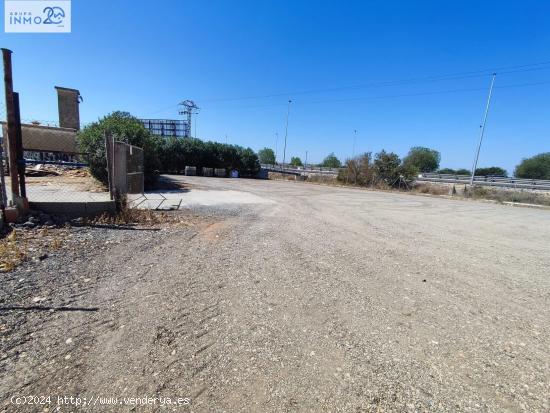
(194, 197)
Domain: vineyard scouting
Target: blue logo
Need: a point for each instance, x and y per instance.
(37, 16)
(54, 15)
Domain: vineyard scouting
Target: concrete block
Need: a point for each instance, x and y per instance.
(190, 170)
(207, 171)
(75, 209)
(220, 172)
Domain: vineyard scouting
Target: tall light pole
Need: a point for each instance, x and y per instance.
(276, 143)
(482, 126)
(354, 138)
(286, 131)
(305, 164)
(351, 161)
(196, 117)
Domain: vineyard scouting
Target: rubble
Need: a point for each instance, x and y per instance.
(55, 170)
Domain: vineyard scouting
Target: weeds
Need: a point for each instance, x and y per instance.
(12, 252)
(504, 195)
(135, 216)
(482, 192)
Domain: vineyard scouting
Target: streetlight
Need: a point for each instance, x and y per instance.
(354, 138)
(305, 164)
(351, 161)
(276, 143)
(482, 126)
(286, 131)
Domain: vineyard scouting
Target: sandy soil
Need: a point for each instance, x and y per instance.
(312, 299)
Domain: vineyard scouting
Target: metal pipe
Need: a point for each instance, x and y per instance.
(276, 144)
(11, 138)
(474, 167)
(286, 132)
(19, 146)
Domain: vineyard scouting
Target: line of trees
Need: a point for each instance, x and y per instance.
(421, 160)
(490, 171)
(161, 154)
(172, 155)
(384, 169)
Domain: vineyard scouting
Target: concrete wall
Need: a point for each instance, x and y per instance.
(128, 176)
(75, 209)
(68, 101)
(46, 138)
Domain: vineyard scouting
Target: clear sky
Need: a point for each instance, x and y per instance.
(345, 65)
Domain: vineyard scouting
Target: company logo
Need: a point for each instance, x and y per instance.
(37, 16)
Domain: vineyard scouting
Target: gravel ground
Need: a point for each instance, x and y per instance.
(314, 299)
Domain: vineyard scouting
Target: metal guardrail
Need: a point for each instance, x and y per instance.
(300, 170)
(497, 181)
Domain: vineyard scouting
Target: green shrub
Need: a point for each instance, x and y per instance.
(493, 170)
(296, 161)
(176, 153)
(463, 171)
(331, 161)
(267, 156)
(125, 128)
(446, 171)
(160, 154)
(422, 159)
(536, 167)
(387, 165)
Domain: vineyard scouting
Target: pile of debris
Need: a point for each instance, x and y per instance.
(55, 170)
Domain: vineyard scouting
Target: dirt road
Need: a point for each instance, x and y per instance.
(299, 298)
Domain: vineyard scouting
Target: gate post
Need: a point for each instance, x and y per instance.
(11, 152)
(15, 155)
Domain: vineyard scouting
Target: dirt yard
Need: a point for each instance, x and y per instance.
(287, 297)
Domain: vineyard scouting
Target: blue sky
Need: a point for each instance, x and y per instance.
(242, 60)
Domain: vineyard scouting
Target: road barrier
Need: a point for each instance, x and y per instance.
(496, 181)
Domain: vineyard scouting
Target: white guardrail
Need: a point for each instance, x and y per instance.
(301, 170)
(498, 181)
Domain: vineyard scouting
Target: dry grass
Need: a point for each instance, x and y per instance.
(488, 193)
(509, 195)
(323, 179)
(12, 252)
(432, 189)
(20, 245)
(142, 217)
(130, 216)
(281, 176)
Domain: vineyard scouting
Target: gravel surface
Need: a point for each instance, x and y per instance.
(315, 299)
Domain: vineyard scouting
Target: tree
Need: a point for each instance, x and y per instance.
(250, 165)
(267, 156)
(296, 161)
(331, 161)
(463, 171)
(447, 171)
(424, 159)
(126, 128)
(175, 154)
(536, 167)
(360, 170)
(387, 166)
(493, 170)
